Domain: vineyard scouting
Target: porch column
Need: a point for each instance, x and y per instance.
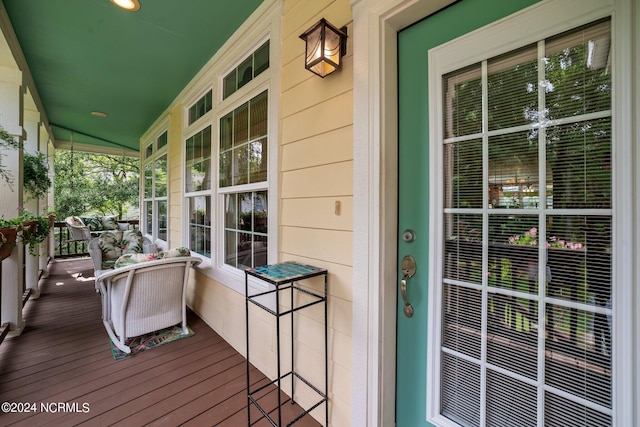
(31, 204)
(47, 203)
(11, 98)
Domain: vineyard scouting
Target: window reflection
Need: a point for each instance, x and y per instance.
(200, 225)
(246, 229)
(198, 164)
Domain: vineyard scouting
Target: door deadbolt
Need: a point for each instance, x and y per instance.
(409, 236)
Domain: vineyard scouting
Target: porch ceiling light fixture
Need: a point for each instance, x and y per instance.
(130, 5)
(325, 47)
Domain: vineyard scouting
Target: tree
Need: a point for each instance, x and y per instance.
(88, 183)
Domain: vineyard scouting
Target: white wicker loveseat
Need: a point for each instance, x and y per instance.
(144, 297)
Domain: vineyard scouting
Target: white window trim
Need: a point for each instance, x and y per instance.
(189, 102)
(375, 27)
(151, 138)
(551, 18)
(262, 25)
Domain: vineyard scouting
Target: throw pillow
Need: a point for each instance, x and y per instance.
(173, 253)
(131, 242)
(109, 223)
(110, 246)
(129, 259)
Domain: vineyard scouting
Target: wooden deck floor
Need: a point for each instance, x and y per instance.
(63, 358)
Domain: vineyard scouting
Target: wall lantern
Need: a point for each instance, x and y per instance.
(326, 45)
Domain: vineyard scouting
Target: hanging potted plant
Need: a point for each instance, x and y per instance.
(36, 175)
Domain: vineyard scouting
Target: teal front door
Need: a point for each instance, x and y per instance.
(506, 187)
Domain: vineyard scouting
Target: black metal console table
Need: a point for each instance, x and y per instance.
(286, 277)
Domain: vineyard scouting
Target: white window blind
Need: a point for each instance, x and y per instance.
(526, 283)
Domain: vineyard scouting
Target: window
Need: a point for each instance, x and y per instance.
(198, 190)
(243, 161)
(526, 289)
(201, 107)
(250, 68)
(243, 166)
(155, 188)
(227, 174)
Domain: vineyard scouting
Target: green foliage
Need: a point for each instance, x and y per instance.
(31, 235)
(36, 175)
(35, 234)
(88, 183)
(6, 141)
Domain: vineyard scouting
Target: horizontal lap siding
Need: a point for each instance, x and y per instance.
(176, 182)
(316, 196)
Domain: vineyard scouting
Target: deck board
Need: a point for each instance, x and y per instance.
(63, 355)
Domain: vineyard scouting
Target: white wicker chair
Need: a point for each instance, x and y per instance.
(145, 297)
(78, 230)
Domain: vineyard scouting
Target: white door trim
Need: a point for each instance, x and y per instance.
(376, 24)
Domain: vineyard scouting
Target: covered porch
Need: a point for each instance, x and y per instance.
(60, 370)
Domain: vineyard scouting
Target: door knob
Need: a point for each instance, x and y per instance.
(408, 267)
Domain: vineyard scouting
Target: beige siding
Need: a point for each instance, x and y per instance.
(174, 136)
(316, 192)
(315, 223)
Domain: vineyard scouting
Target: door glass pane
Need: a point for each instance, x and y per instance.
(463, 248)
(579, 156)
(460, 390)
(504, 392)
(463, 102)
(578, 71)
(463, 174)
(513, 171)
(513, 89)
(527, 274)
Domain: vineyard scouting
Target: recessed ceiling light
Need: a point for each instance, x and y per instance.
(131, 5)
(99, 114)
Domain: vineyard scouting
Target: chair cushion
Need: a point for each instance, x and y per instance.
(114, 244)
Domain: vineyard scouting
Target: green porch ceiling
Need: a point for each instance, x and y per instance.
(89, 55)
